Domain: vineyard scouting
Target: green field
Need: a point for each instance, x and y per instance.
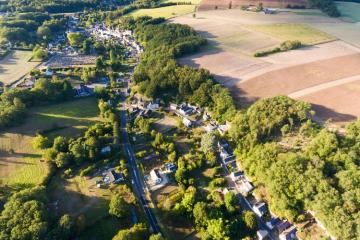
(165, 12)
(349, 11)
(21, 165)
(15, 65)
(293, 31)
(169, 11)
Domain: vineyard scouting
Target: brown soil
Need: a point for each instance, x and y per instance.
(295, 78)
(340, 103)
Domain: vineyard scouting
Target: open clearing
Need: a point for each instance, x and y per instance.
(15, 65)
(20, 163)
(234, 36)
(350, 11)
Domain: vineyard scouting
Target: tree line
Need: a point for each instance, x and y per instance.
(15, 102)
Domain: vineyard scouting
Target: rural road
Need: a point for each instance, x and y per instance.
(323, 86)
(245, 205)
(138, 183)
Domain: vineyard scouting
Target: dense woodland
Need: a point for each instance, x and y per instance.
(54, 6)
(320, 175)
(30, 28)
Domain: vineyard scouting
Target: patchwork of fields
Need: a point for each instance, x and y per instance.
(331, 54)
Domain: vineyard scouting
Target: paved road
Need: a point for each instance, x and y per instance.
(245, 205)
(138, 183)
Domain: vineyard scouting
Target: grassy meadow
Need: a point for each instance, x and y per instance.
(168, 11)
(293, 31)
(21, 165)
(165, 12)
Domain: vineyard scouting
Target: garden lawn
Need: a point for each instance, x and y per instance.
(293, 31)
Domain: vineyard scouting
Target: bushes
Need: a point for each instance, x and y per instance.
(87, 171)
(284, 46)
(267, 52)
(290, 45)
(327, 6)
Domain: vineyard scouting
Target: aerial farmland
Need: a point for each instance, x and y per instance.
(330, 53)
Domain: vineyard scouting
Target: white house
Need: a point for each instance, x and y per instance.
(153, 106)
(236, 175)
(187, 122)
(260, 209)
(155, 176)
(210, 127)
(206, 116)
(173, 106)
(246, 186)
(262, 234)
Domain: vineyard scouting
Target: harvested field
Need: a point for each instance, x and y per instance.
(234, 36)
(340, 103)
(295, 78)
(165, 12)
(16, 65)
(221, 4)
(348, 32)
(294, 31)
